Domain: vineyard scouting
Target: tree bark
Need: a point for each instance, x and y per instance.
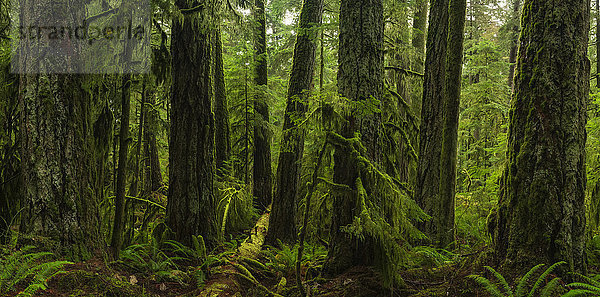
(419, 29)
(191, 201)
(282, 220)
(119, 220)
(541, 209)
(222, 141)
(443, 217)
(360, 78)
(514, 40)
(431, 131)
(153, 176)
(55, 140)
(262, 186)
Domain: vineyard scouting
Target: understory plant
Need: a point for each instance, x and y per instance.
(540, 288)
(27, 267)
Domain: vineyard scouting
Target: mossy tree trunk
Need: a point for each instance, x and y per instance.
(222, 141)
(282, 220)
(56, 162)
(541, 210)
(119, 218)
(262, 173)
(431, 131)
(191, 201)
(360, 78)
(153, 176)
(10, 198)
(56, 138)
(514, 39)
(443, 218)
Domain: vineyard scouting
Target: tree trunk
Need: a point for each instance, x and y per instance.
(597, 43)
(153, 177)
(443, 217)
(56, 162)
(55, 140)
(119, 221)
(419, 29)
(514, 39)
(262, 186)
(541, 209)
(191, 201)
(222, 142)
(137, 185)
(282, 220)
(10, 196)
(360, 78)
(431, 131)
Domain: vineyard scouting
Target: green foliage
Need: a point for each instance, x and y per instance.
(593, 161)
(587, 286)
(426, 256)
(284, 259)
(27, 267)
(150, 259)
(235, 210)
(197, 253)
(501, 288)
(389, 221)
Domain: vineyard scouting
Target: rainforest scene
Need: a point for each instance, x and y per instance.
(254, 148)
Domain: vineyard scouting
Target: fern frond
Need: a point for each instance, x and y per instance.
(501, 279)
(487, 285)
(543, 276)
(585, 286)
(519, 292)
(550, 288)
(577, 293)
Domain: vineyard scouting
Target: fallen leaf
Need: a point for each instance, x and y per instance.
(133, 280)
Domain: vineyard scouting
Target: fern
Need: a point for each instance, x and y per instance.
(542, 277)
(591, 287)
(521, 290)
(283, 259)
(551, 287)
(487, 285)
(525, 279)
(21, 265)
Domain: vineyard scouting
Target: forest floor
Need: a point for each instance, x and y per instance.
(245, 270)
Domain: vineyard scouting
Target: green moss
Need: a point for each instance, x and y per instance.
(85, 283)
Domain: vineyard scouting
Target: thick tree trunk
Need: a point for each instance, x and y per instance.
(428, 169)
(541, 211)
(191, 204)
(56, 162)
(282, 220)
(222, 142)
(360, 77)
(262, 186)
(119, 220)
(443, 218)
(55, 140)
(514, 39)
(10, 196)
